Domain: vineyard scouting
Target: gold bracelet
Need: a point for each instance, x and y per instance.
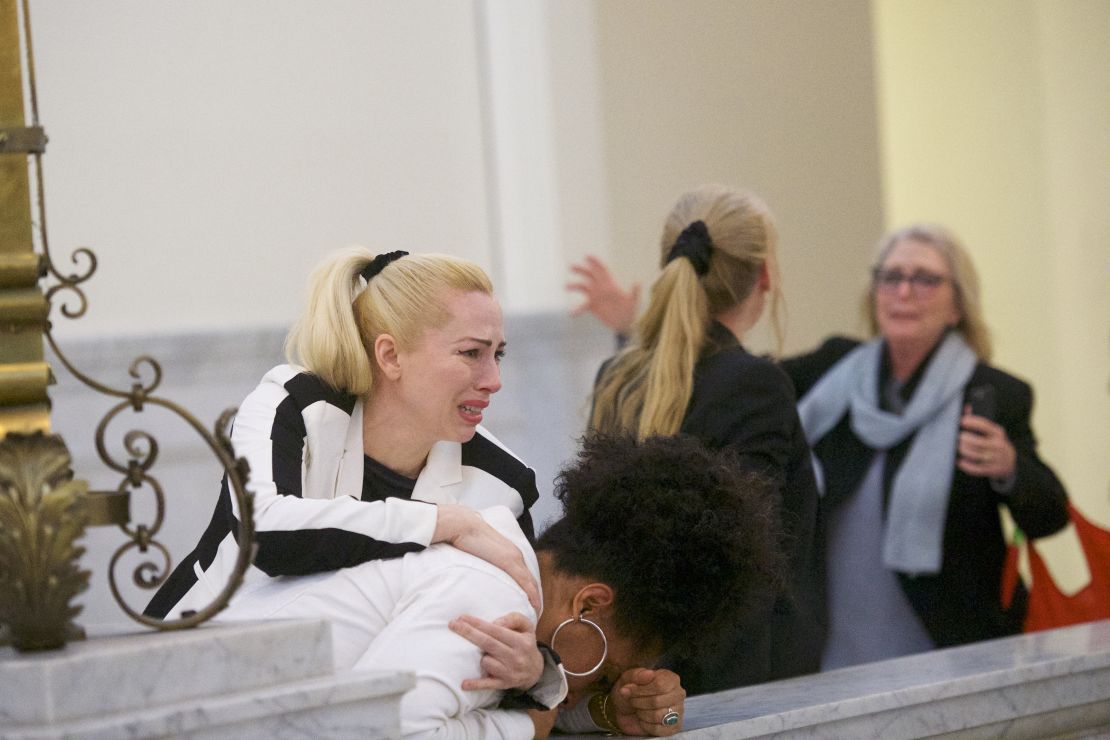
(600, 703)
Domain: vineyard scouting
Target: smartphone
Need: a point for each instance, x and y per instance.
(982, 402)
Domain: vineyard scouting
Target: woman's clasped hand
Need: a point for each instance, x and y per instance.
(648, 702)
(984, 449)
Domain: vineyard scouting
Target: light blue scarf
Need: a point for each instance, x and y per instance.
(913, 540)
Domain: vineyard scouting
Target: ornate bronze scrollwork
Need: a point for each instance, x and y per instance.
(142, 449)
(43, 510)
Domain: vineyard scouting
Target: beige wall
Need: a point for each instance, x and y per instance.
(1075, 73)
(211, 152)
(774, 96)
(995, 121)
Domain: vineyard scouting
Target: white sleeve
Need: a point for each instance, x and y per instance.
(418, 639)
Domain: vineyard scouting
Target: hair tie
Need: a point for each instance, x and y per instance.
(378, 263)
(695, 245)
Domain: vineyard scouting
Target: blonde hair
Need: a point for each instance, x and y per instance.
(334, 337)
(645, 390)
(965, 282)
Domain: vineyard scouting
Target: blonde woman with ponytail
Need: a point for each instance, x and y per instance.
(685, 370)
(369, 445)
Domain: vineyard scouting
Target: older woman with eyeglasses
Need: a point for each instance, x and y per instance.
(918, 441)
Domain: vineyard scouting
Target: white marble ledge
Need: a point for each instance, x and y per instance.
(117, 671)
(350, 705)
(1038, 685)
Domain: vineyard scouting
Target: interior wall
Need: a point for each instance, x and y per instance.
(210, 165)
(775, 96)
(1075, 76)
(994, 122)
(546, 196)
(211, 153)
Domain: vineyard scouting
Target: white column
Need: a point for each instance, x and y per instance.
(545, 177)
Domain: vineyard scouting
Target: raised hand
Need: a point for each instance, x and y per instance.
(604, 297)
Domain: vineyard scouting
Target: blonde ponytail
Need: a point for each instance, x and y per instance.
(334, 337)
(646, 389)
(326, 340)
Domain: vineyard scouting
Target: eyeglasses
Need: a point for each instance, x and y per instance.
(921, 281)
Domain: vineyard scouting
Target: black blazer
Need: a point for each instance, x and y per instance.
(961, 603)
(747, 404)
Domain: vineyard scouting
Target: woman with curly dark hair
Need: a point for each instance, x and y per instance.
(662, 543)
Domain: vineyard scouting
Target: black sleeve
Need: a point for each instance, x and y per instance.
(1037, 501)
(806, 369)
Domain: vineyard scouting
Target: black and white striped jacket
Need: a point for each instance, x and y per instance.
(303, 441)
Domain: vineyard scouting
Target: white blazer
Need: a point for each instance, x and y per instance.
(394, 615)
(303, 443)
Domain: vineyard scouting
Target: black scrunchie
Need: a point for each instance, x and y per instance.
(378, 263)
(695, 245)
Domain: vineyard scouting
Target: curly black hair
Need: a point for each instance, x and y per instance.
(686, 538)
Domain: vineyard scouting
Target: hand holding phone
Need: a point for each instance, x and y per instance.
(984, 449)
(981, 399)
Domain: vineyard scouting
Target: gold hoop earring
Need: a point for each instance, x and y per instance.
(604, 643)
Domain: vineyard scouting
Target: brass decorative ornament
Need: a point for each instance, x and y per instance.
(43, 509)
(41, 519)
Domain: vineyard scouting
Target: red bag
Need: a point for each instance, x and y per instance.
(1048, 607)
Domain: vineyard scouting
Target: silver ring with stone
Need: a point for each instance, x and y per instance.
(670, 719)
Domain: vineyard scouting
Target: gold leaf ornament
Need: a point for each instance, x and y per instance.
(41, 518)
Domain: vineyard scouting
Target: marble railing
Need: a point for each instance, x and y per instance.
(221, 681)
(275, 679)
(1053, 684)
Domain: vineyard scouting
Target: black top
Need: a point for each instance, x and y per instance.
(747, 404)
(380, 483)
(961, 603)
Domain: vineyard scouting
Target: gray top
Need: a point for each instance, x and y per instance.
(870, 617)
